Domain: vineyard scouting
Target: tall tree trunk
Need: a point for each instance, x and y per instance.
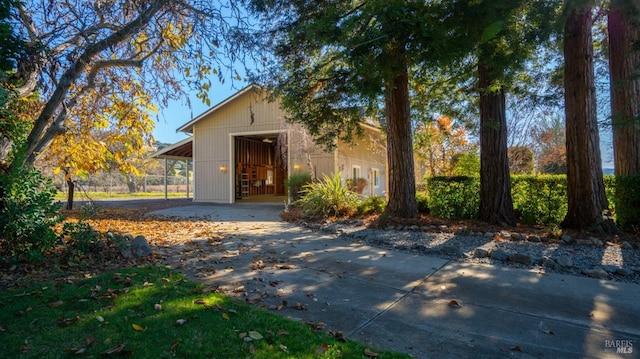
(496, 204)
(585, 186)
(624, 68)
(402, 185)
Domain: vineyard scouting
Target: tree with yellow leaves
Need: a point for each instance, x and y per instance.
(436, 143)
(102, 60)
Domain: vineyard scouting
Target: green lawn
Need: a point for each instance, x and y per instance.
(81, 196)
(154, 312)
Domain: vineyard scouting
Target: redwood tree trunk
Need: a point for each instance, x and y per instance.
(585, 185)
(624, 66)
(496, 204)
(402, 185)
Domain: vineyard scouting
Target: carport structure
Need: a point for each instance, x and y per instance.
(180, 151)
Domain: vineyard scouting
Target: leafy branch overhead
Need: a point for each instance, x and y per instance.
(103, 65)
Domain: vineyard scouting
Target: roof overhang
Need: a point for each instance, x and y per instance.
(182, 150)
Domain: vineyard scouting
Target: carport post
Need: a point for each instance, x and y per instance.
(187, 162)
(166, 194)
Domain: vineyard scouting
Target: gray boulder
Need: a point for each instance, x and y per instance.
(140, 247)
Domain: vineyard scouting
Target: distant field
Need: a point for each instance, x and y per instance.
(80, 196)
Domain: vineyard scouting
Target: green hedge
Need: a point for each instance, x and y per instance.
(626, 198)
(454, 197)
(538, 199)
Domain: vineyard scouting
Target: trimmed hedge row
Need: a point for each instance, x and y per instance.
(536, 199)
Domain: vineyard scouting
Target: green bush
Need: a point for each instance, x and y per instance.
(454, 197)
(295, 184)
(626, 200)
(422, 200)
(328, 197)
(372, 205)
(540, 199)
(29, 213)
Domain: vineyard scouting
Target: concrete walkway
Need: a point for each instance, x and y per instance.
(428, 307)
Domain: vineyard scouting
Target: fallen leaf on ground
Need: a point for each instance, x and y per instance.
(516, 348)
(338, 335)
(299, 306)
(225, 316)
(370, 354)
(321, 349)
(137, 327)
(454, 303)
(255, 335)
(283, 332)
(115, 350)
(316, 325)
(55, 304)
(181, 321)
(282, 305)
(548, 331)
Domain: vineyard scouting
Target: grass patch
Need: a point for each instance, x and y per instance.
(137, 311)
(82, 196)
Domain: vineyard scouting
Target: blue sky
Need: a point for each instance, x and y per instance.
(178, 112)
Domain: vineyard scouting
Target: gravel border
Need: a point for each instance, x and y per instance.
(588, 257)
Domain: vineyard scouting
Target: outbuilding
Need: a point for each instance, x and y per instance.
(243, 148)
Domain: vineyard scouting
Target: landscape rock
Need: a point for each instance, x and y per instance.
(549, 263)
(499, 255)
(626, 245)
(462, 232)
(610, 268)
(624, 272)
(564, 261)
(567, 239)
(140, 247)
(521, 259)
(534, 238)
(595, 272)
(596, 242)
(480, 253)
(518, 237)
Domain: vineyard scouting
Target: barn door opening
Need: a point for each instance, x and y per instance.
(260, 166)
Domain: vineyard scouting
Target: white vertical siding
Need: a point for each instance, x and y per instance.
(212, 147)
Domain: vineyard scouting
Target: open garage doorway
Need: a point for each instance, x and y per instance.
(260, 167)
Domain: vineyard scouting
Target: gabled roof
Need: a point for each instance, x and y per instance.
(188, 127)
(179, 151)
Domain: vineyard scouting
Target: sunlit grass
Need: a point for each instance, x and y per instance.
(82, 196)
(152, 312)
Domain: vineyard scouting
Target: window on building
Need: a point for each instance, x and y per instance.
(375, 177)
(356, 172)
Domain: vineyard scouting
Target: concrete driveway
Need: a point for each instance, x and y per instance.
(425, 306)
